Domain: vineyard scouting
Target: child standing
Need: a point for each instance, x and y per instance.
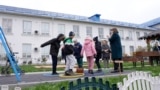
(90, 52)
(105, 53)
(69, 51)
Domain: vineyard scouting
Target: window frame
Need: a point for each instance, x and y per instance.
(7, 24)
(27, 31)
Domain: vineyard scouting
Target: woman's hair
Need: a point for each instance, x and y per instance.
(114, 30)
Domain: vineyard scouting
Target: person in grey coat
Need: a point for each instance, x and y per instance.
(105, 53)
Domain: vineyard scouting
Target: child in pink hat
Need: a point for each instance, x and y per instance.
(90, 52)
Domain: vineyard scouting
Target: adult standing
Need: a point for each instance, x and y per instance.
(54, 49)
(116, 49)
(99, 53)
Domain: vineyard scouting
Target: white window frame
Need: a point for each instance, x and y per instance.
(101, 33)
(26, 51)
(61, 28)
(131, 48)
(121, 33)
(123, 50)
(89, 31)
(129, 35)
(45, 52)
(145, 33)
(27, 27)
(45, 28)
(76, 30)
(138, 34)
(7, 25)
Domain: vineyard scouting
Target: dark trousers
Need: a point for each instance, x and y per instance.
(116, 66)
(54, 64)
(97, 62)
(156, 58)
(80, 62)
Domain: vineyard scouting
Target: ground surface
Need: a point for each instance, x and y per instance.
(41, 77)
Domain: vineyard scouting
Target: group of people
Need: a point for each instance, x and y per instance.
(73, 52)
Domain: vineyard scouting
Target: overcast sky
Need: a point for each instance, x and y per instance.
(134, 11)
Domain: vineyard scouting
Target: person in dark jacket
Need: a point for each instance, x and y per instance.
(99, 53)
(54, 49)
(116, 49)
(77, 53)
(105, 53)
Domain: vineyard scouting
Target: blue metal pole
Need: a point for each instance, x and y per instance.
(10, 55)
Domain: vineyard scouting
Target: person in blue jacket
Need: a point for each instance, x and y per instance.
(77, 53)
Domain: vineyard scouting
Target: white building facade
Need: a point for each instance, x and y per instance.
(27, 29)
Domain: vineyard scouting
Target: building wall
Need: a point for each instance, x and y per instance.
(17, 38)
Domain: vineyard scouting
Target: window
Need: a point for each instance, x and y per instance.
(27, 27)
(2, 52)
(7, 25)
(45, 28)
(130, 35)
(131, 50)
(45, 52)
(121, 33)
(138, 35)
(89, 31)
(123, 50)
(26, 50)
(61, 28)
(145, 33)
(101, 33)
(76, 30)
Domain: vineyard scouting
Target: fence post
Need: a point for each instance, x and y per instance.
(4, 87)
(17, 88)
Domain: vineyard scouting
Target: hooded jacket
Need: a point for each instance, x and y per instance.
(68, 46)
(88, 47)
(77, 50)
(54, 45)
(97, 45)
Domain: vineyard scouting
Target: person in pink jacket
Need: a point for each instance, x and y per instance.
(90, 52)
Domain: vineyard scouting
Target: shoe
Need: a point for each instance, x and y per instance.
(115, 71)
(55, 73)
(71, 72)
(99, 70)
(67, 73)
(90, 71)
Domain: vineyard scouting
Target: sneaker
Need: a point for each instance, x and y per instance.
(115, 71)
(90, 71)
(55, 73)
(99, 70)
(67, 73)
